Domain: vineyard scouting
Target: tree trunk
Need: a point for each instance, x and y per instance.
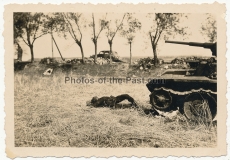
(52, 44)
(57, 48)
(95, 57)
(110, 51)
(82, 53)
(155, 54)
(32, 53)
(130, 52)
(20, 51)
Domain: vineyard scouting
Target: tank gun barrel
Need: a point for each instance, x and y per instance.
(211, 46)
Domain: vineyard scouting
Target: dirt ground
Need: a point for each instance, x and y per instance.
(50, 112)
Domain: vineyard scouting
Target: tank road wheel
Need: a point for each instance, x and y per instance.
(200, 107)
(161, 100)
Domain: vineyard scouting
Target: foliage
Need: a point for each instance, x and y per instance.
(209, 28)
(73, 23)
(28, 26)
(130, 28)
(113, 29)
(167, 24)
(48, 60)
(53, 22)
(102, 25)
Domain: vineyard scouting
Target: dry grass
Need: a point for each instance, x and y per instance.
(49, 112)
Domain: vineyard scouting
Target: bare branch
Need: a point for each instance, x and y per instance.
(93, 26)
(156, 33)
(158, 37)
(24, 41)
(75, 38)
(36, 29)
(38, 37)
(118, 26)
(78, 27)
(150, 36)
(101, 29)
(71, 35)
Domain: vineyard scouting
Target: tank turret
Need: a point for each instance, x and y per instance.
(211, 46)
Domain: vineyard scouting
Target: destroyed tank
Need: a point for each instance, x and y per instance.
(193, 91)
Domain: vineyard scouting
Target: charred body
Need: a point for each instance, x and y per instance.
(111, 101)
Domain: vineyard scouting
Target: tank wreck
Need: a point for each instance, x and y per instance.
(193, 90)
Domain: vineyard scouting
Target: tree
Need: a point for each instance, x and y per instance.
(163, 23)
(129, 30)
(29, 28)
(209, 28)
(17, 34)
(74, 23)
(102, 24)
(53, 24)
(112, 31)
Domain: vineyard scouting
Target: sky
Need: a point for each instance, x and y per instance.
(140, 47)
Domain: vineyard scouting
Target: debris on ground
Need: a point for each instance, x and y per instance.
(48, 72)
(74, 61)
(188, 62)
(171, 115)
(179, 66)
(178, 61)
(48, 60)
(152, 111)
(106, 55)
(146, 63)
(100, 61)
(166, 67)
(183, 60)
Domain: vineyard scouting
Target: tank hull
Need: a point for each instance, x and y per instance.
(183, 85)
(177, 87)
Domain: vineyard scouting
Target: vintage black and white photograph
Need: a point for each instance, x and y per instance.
(115, 79)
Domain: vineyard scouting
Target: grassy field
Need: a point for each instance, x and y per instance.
(50, 112)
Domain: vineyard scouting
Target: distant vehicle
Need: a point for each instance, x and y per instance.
(105, 54)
